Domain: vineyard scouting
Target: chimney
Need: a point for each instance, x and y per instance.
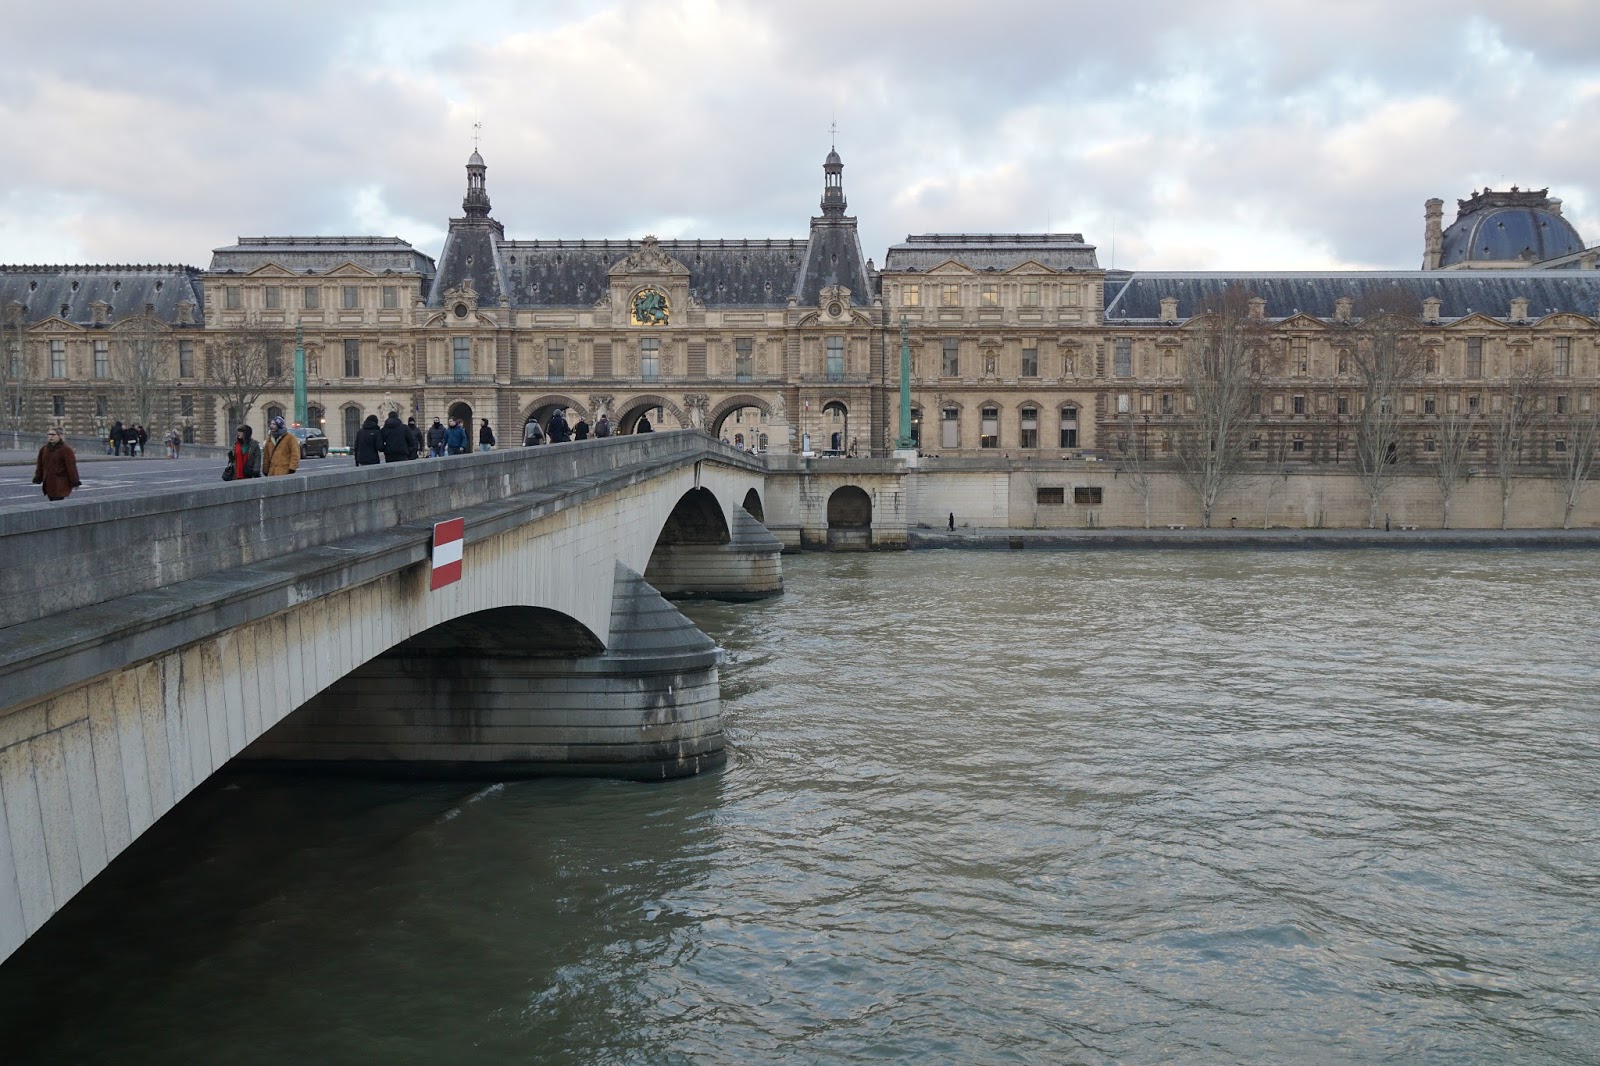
(1341, 309)
(1258, 307)
(1169, 309)
(1432, 233)
(99, 312)
(1519, 309)
(185, 313)
(1555, 206)
(1430, 309)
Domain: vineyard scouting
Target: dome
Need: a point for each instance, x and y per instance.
(833, 159)
(476, 160)
(1508, 227)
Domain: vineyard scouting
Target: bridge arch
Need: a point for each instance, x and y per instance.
(724, 410)
(753, 507)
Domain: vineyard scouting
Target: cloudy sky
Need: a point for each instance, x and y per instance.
(1173, 135)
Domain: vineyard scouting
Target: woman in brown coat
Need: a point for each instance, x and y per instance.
(57, 468)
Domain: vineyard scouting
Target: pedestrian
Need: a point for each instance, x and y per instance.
(581, 430)
(1386, 522)
(114, 441)
(142, 436)
(414, 436)
(485, 436)
(532, 434)
(952, 521)
(436, 435)
(394, 439)
(173, 442)
(280, 454)
(602, 426)
(56, 469)
(558, 431)
(368, 445)
(644, 425)
(244, 458)
(455, 441)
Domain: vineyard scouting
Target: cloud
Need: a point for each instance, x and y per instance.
(1226, 135)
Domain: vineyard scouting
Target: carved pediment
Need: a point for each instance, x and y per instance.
(461, 299)
(649, 259)
(350, 270)
(1031, 266)
(834, 301)
(950, 266)
(271, 270)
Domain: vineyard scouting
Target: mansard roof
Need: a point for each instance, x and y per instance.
(44, 291)
(321, 254)
(1134, 296)
(992, 251)
(722, 273)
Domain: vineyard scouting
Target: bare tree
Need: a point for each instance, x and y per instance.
(1225, 362)
(1521, 409)
(145, 364)
(1134, 463)
(1386, 356)
(1577, 462)
(16, 383)
(1456, 435)
(242, 364)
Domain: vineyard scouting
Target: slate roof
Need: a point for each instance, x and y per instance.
(1509, 233)
(833, 257)
(70, 291)
(471, 250)
(321, 254)
(992, 251)
(1136, 296)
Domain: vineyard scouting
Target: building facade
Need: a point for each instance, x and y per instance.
(1021, 345)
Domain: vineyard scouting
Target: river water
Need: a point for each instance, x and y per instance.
(980, 808)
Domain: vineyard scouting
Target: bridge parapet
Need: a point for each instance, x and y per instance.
(54, 558)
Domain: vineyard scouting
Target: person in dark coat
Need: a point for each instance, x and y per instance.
(436, 435)
(368, 446)
(485, 436)
(557, 429)
(532, 434)
(414, 435)
(115, 439)
(581, 430)
(394, 440)
(644, 425)
(57, 468)
(455, 441)
(602, 427)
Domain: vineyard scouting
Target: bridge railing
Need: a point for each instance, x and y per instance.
(58, 557)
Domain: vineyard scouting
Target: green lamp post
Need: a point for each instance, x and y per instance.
(299, 376)
(906, 442)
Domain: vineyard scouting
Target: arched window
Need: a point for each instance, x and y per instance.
(352, 425)
(950, 428)
(1069, 426)
(273, 411)
(317, 417)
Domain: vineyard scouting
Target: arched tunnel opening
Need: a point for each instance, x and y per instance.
(698, 557)
(697, 519)
(752, 506)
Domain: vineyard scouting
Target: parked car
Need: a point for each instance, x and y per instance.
(313, 442)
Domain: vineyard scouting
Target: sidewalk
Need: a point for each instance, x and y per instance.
(1000, 539)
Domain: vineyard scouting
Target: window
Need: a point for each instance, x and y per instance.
(650, 359)
(1472, 405)
(58, 405)
(274, 348)
(835, 358)
(950, 295)
(911, 295)
(186, 359)
(555, 352)
(1429, 444)
(352, 424)
(743, 362)
(1069, 427)
(989, 296)
(352, 297)
(989, 428)
(186, 405)
(1343, 406)
(1299, 405)
(100, 406)
(1298, 444)
(1122, 358)
(230, 297)
(58, 359)
(461, 357)
(188, 434)
(1300, 360)
(1474, 357)
(102, 360)
(1560, 445)
(1563, 357)
(1430, 405)
(1051, 496)
(1030, 427)
(1561, 405)
(1030, 362)
(391, 297)
(1166, 403)
(273, 297)
(313, 298)
(352, 358)
(950, 427)
(951, 367)
(1030, 294)
(273, 411)
(1087, 495)
(316, 416)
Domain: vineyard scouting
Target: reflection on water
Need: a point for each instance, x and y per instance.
(1025, 807)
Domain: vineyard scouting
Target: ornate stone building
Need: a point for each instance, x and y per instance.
(1023, 346)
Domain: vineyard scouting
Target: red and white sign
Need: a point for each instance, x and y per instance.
(448, 538)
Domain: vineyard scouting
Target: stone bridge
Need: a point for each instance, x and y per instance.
(146, 642)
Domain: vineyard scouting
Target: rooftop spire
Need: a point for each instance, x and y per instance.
(476, 203)
(833, 201)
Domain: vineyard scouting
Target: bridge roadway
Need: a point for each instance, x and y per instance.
(146, 640)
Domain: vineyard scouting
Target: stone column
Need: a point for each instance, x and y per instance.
(748, 567)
